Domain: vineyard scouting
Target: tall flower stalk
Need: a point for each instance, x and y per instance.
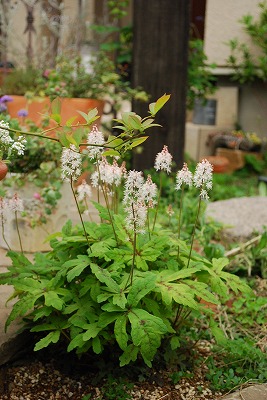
(203, 181)
(3, 207)
(16, 205)
(163, 162)
(184, 177)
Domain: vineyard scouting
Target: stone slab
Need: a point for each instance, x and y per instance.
(253, 392)
(241, 216)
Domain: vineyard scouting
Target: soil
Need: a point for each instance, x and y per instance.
(52, 374)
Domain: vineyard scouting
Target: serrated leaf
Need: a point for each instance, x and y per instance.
(103, 212)
(82, 263)
(107, 318)
(129, 354)
(104, 276)
(146, 332)
(219, 263)
(67, 228)
(91, 332)
(119, 300)
(175, 343)
(169, 276)
(217, 333)
(120, 331)
(140, 288)
(178, 292)
(52, 337)
(53, 300)
(20, 308)
(201, 290)
(77, 341)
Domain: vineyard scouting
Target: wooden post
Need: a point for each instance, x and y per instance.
(161, 35)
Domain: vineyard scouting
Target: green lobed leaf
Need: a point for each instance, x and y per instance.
(103, 212)
(140, 288)
(53, 300)
(52, 337)
(96, 344)
(177, 292)
(129, 354)
(91, 332)
(77, 341)
(104, 276)
(79, 265)
(120, 331)
(21, 307)
(146, 332)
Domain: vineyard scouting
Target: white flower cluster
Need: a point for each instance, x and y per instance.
(184, 176)
(84, 190)
(71, 163)
(163, 160)
(203, 178)
(138, 196)
(13, 146)
(107, 174)
(95, 140)
(14, 204)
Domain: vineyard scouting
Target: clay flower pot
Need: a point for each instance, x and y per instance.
(220, 164)
(3, 170)
(41, 105)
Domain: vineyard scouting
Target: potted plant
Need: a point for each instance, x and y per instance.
(80, 87)
(235, 145)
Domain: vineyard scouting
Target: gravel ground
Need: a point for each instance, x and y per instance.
(37, 379)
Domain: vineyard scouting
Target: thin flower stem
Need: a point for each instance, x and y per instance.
(148, 225)
(107, 203)
(159, 197)
(134, 253)
(3, 232)
(87, 206)
(180, 218)
(79, 212)
(17, 227)
(194, 231)
(133, 261)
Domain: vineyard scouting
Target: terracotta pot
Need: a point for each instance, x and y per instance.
(220, 164)
(41, 105)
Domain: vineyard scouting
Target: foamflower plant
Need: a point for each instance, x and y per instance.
(126, 282)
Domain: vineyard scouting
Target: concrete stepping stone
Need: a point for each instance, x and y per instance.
(241, 216)
(253, 392)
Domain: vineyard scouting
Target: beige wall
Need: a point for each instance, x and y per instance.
(70, 31)
(221, 25)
